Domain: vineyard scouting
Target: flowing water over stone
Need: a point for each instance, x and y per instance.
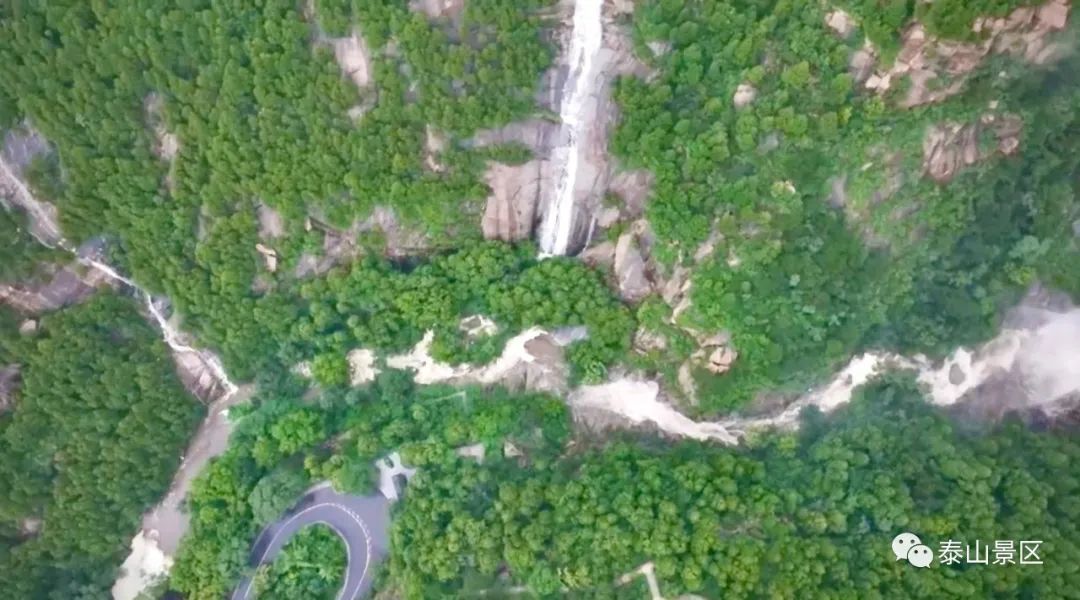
(201, 370)
(578, 114)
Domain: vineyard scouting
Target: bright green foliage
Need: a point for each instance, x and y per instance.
(274, 493)
(882, 20)
(259, 476)
(97, 430)
(310, 566)
(373, 305)
(262, 118)
(803, 276)
(807, 515)
(330, 369)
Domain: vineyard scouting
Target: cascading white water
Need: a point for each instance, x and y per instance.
(170, 335)
(48, 233)
(585, 43)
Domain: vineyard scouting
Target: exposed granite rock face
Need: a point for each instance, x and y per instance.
(354, 58)
(435, 143)
(840, 22)
(646, 340)
(744, 95)
(602, 254)
(510, 213)
(166, 143)
(535, 134)
(362, 367)
(630, 274)
(721, 359)
(21, 146)
(861, 65)
(523, 197)
(269, 255)
(633, 188)
(438, 9)
(948, 147)
(271, 223)
(1026, 32)
(9, 386)
(68, 286)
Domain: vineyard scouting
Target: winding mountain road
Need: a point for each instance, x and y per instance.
(361, 521)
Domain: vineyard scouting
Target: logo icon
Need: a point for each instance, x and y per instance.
(908, 546)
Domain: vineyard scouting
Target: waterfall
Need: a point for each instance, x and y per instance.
(47, 231)
(585, 43)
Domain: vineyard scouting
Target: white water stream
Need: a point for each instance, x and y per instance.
(47, 231)
(586, 39)
(166, 523)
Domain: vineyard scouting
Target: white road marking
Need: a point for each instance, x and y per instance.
(348, 551)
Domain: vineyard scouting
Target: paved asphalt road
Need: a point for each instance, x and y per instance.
(362, 522)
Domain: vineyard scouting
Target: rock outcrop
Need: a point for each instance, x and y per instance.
(269, 255)
(633, 284)
(9, 386)
(21, 147)
(353, 57)
(923, 58)
(559, 193)
(434, 144)
(948, 147)
(362, 367)
(840, 22)
(511, 210)
(744, 95)
(166, 143)
(271, 223)
(438, 9)
(68, 286)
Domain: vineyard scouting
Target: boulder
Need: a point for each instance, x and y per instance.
(1053, 15)
(744, 95)
(354, 58)
(840, 22)
(721, 359)
(362, 367)
(659, 47)
(630, 269)
(269, 255)
(861, 65)
(647, 340)
(602, 254)
(478, 326)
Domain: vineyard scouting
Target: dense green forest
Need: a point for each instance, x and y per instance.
(800, 282)
(310, 566)
(261, 114)
(829, 238)
(278, 449)
(20, 254)
(96, 432)
(788, 515)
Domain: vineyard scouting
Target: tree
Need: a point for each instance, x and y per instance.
(275, 493)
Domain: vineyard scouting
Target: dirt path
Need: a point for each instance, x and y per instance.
(201, 370)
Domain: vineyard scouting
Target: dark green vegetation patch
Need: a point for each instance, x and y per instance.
(97, 430)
